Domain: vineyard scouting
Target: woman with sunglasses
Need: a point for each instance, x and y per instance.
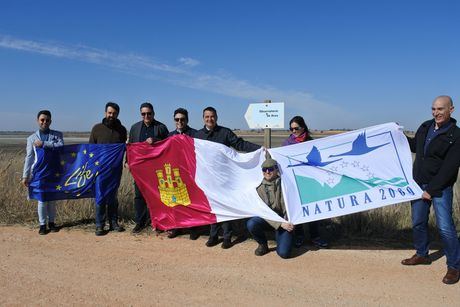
(299, 134)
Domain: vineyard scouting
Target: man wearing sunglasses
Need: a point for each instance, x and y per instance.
(182, 127)
(270, 192)
(181, 122)
(215, 133)
(44, 137)
(150, 131)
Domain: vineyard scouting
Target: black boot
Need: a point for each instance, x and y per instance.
(42, 230)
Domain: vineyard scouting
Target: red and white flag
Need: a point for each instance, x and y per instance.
(189, 182)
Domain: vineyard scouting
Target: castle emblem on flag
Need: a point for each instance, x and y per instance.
(173, 191)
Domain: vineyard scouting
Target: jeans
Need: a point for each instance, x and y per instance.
(46, 209)
(444, 222)
(142, 216)
(257, 227)
(110, 206)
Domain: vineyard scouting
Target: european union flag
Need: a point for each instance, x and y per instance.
(77, 171)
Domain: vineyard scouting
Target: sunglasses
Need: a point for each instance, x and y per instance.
(179, 119)
(295, 128)
(45, 120)
(268, 169)
(146, 113)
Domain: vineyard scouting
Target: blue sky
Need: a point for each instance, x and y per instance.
(339, 64)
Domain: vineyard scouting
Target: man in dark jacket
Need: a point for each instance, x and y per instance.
(150, 131)
(182, 127)
(108, 132)
(181, 122)
(437, 148)
(215, 133)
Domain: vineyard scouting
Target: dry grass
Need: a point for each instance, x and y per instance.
(15, 208)
(390, 222)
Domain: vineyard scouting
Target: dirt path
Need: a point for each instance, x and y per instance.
(74, 267)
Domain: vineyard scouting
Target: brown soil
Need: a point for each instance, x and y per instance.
(74, 267)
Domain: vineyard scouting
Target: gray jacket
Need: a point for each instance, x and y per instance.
(54, 140)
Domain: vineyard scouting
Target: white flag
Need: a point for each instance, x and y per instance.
(346, 173)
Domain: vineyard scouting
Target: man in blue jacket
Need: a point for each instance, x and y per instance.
(437, 158)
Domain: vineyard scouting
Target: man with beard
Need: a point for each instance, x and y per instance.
(108, 132)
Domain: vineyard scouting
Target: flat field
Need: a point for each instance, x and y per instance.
(74, 267)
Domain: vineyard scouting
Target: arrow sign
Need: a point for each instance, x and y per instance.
(265, 115)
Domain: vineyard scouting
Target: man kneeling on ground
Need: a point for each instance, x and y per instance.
(270, 192)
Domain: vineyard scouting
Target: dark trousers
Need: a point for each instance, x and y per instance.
(226, 227)
(313, 229)
(257, 227)
(142, 216)
(108, 207)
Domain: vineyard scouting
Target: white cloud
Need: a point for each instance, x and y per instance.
(189, 62)
(298, 102)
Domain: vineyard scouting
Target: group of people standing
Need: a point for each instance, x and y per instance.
(436, 145)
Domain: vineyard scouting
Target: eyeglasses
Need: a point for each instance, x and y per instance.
(146, 113)
(45, 120)
(295, 128)
(179, 119)
(268, 169)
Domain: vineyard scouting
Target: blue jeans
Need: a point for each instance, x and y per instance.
(257, 227)
(46, 209)
(444, 221)
(110, 206)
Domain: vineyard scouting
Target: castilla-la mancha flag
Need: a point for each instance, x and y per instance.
(189, 182)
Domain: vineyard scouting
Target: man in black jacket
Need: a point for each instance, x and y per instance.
(181, 122)
(437, 148)
(150, 131)
(215, 133)
(182, 127)
(108, 132)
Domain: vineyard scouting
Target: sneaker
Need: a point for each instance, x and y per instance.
(116, 227)
(319, 243)
(173, 233)
(100, 231)
(227, 243)
(194, 235)
(42, 230)
(138, 228)
(261, 250)
(212, 242)
(52, 227)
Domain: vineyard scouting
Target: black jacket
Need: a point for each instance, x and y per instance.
(187, 131)
(226, 136)
(438, 168)
(160, 131)
(105, 133)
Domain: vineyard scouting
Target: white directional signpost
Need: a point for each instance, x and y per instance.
(265, 116)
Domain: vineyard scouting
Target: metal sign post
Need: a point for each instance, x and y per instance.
(267, 132)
